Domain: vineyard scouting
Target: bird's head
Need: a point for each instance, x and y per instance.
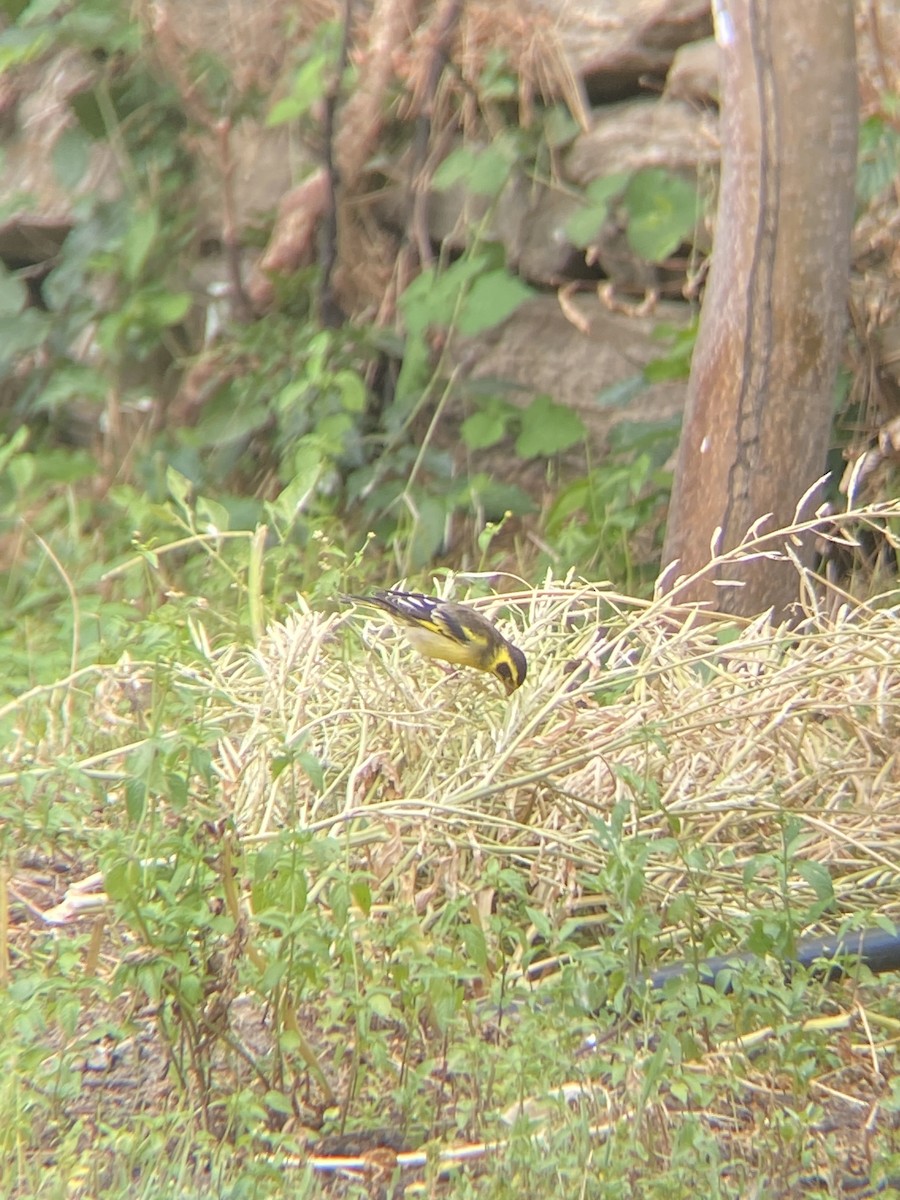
(510, 667)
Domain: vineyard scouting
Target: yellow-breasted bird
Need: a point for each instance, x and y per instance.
(452, 632)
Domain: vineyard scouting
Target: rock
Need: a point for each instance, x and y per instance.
(620, 46)
(250, 41)
(30, 238)
(644, 133)
(529, 220)
(542, 351)
(545, 253)
(40, 205)
(635, 135)
(267, 165)
(694, 74)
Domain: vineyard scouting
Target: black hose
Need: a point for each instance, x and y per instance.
(874, 948)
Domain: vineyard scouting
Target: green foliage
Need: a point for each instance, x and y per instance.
(288, 980)
(662, 212)
(544, 428)
(676, 362)
(584, 225)
(594, 520)
(313, 76)
(113, 281)
(481, 170)
(290, 431)
(300, 389)
(497, 81)
(878, 158)
(658, 209)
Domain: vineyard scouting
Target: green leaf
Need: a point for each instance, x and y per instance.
(352, 390)
(657, 438)
(607, 187)
(308, 87)
(21, 45)
(496, 498)
(96, 27)
(671, 367)
(492, 298)
(362, 896)
(13, 9)
(22, 332)
(177, 790)
(493, 167)
(64, 465)
(272, 976)
(211, 516)
(878, 160)
(135, 799)
(312, 77)
(89, 114)
(313, 769)
(473, 940)
(13, 294)
(752, 868)
(166, 308)
(293, 498)
(278, 1103)
(434, 296)
(818, 878)
(288, 396)
(70, 156)
(583, 226)
(179, 487)
(620, 395)
(488, 426)
(560, 127)
(225, 422)
(455, 168)
(541, 923)
(414, 375)
(14, 446)
(481, 172)
(286, 892)
(380, 1004)
(429, 530)
(497, 80)
(676, 362)
(72, 381)
(662, 210)
(138, 242)
(548, 428)
(145, 313)
(332, 432)
(121, 880)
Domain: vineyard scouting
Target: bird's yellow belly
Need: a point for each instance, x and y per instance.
(435, 645)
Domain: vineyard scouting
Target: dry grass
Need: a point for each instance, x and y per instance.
(713, 736)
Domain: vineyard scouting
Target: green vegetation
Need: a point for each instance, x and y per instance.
(294, 428)
(320, 926)
(270, 888)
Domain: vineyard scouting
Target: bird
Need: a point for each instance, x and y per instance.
(452, 632)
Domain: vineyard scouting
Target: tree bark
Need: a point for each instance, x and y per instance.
(760, 397)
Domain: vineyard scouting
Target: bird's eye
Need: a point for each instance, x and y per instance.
(503, 669)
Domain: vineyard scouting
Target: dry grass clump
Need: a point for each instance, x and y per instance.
(714, 736)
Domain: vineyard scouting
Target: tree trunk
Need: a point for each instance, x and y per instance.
(760, 398)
